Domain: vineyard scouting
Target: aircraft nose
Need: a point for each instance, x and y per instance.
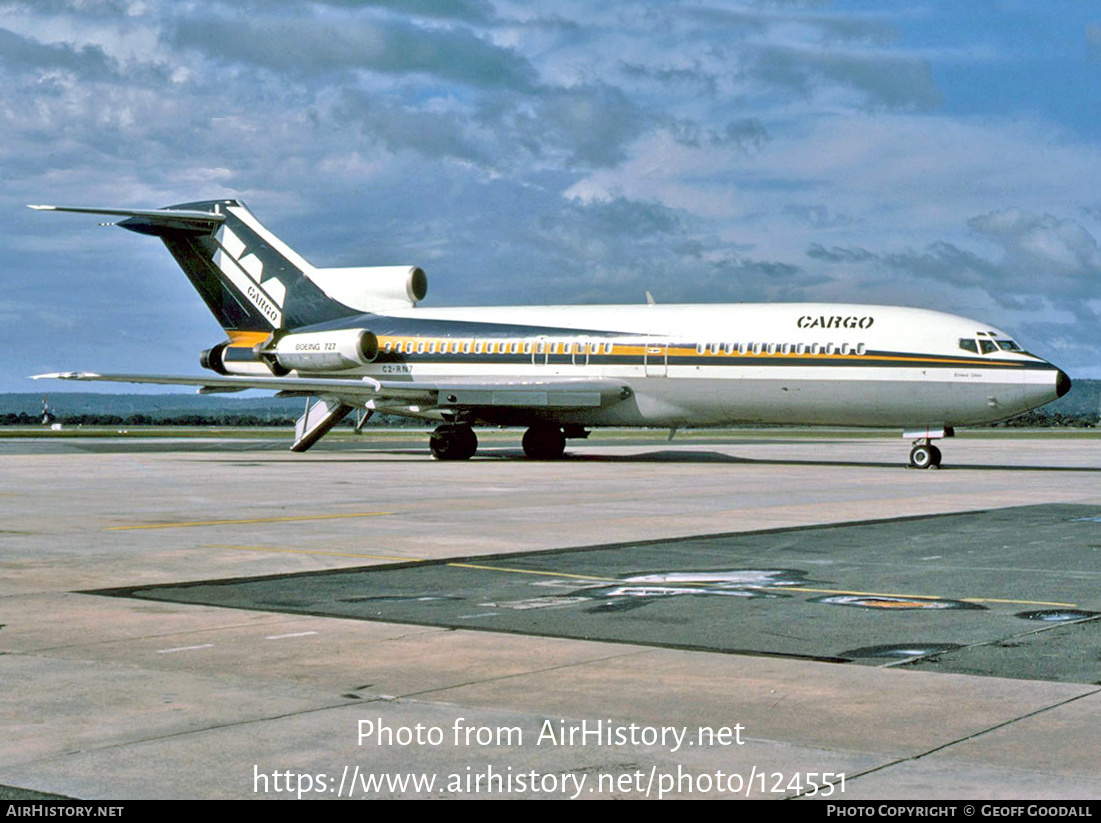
(1062, 383)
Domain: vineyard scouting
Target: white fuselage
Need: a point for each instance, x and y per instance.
(696, 365)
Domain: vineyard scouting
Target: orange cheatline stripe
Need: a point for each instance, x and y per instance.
(246, 338)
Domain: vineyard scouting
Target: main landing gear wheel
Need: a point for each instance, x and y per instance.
(453, 442)
(544, 442)
(925, 456)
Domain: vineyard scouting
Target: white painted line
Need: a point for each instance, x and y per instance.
(185, 648)
(296, 634)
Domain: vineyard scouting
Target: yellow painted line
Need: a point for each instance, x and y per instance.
(511, 570)
(531, 571)
(1021, 602)
(312, 551)
(242, 522)
(922, 596)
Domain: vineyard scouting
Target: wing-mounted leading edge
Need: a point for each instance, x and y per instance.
(428, 400)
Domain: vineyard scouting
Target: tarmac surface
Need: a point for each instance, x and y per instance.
(750, 616)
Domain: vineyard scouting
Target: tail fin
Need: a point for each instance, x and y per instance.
(253, 283)
(249, 279)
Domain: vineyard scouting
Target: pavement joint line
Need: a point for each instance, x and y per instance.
(981, 733)
(357, 702)
(218, 726)
(276, 618)
(534, 571)
(992, 642)
(243, 521)
(529, 672)
(316, 551)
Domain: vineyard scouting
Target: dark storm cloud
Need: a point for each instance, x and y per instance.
(621, 218)
(826, 28)
(21, 54)
(698, 79)
(312, 44)
(1042, 259)
(748, 135)
(738, 278)
(892, 81)
(582, 127)
(473, 11)
(592, 123)
(817, 216)
(948, 263)
(1033, 243)
(839, 254)
(431, 134)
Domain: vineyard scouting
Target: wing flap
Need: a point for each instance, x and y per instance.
(542, 394)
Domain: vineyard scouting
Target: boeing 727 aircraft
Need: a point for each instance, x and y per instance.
(348, 338)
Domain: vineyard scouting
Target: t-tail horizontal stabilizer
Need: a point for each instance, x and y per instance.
(146, 219)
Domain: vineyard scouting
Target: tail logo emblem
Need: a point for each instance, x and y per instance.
(246, 271)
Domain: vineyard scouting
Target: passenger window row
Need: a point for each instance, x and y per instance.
(570, 347)
(494, 347)
(781, 348)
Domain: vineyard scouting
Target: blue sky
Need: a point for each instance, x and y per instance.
(943, 155)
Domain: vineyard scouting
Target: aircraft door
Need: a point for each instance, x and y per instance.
(581, 352)
(540, 352)
(655, 357)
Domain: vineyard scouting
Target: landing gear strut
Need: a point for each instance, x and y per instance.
(544, 442)
(453, 441)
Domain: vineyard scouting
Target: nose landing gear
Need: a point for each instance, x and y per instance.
(925, 456)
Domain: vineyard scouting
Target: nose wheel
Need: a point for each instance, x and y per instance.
(453, 442)
(925, 456)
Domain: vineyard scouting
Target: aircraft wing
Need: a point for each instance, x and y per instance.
(563, 393)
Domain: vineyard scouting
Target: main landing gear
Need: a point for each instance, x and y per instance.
(453, 441)
(544, 442)
(457, 441)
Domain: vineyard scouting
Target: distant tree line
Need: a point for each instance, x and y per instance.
(1044, 420)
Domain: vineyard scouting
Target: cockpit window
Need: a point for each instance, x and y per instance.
(1007, 345)
(987, 346)
(967, 344)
